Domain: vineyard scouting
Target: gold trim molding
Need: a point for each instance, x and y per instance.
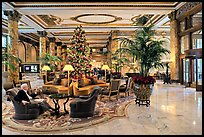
(77, 18)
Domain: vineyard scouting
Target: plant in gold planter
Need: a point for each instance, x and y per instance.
(147, 50)
(143, 87)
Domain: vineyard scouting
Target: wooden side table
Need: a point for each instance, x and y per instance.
(55, 98)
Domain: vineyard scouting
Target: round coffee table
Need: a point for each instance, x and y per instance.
(55, 98)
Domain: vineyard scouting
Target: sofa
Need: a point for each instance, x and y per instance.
(81, 88)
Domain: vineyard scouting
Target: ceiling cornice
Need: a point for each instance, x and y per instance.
(93, 4)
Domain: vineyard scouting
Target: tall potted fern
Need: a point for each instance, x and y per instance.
(147, 50)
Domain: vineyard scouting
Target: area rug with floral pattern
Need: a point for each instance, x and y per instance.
(104, 111)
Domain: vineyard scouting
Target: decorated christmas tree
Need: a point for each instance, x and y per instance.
(78, 54)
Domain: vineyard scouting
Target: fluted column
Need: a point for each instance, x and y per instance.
(64, 48)
(114, 43)
(12, 47)
(109, 60)
(42, 53)
(52, 46)
(28, 49)
(174, 47)
(59, 48)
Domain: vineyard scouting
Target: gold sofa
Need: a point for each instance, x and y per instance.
(74, 88)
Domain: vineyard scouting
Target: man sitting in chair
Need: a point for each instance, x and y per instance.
(24, 97)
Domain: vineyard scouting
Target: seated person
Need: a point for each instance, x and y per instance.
(24, 97)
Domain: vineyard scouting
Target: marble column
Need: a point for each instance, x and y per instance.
(12, 47)
(114, 43)
(64, 48)
(113, 46)
(174, 47)
(109, 60)
(28, 49)
(52, 46)
(59, 48)
(43, 51)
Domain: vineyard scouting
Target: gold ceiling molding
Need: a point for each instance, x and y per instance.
(37, 20)
(93, 4)
(50, 19)
(166, 23)
(84, 25)
(186, 8)
(71, 33)
(21, 23)
(136, 19)
(114, 18)
(31, 36)
(133, 19)
(157, 18)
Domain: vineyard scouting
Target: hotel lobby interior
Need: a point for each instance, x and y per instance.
(102, 68)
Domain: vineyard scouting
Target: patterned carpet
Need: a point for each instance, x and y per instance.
(104, 111)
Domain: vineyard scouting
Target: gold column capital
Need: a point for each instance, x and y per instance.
(12, 15)
(52, 39)
(59, 43)
(42, 33)
(115, 32)
(172, 15)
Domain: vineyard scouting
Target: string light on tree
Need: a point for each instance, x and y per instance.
(79, 54)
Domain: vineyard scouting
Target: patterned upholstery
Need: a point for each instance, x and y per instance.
(84, 107)
(113, 89)
(127, 87)
(23, 112)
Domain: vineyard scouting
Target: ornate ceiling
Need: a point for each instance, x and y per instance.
(98, 19)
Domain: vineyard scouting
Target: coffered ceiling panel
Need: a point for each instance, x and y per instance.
(98, 19)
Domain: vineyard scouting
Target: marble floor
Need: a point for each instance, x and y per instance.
(174, 110)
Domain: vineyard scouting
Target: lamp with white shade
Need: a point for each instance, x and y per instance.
(46, 68)
(105, 67)
(68, 68)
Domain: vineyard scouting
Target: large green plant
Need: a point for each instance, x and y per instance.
(8, 59)
(50, 60)
(119, 61)
(145, 48)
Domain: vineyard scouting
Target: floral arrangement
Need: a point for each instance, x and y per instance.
(144, 80)
(116, 75)
(91, 77)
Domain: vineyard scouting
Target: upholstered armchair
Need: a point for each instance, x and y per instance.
(84, 106)
(23, 112)
(112, 90)
(8, 85)
(126, 88)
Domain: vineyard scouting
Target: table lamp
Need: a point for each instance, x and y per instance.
(46, 68)
(105, 67)
(68, 68)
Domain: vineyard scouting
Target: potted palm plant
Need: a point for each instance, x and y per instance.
(147, 50)
(8, 59)
(50, 60)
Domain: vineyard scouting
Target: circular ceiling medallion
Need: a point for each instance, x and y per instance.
(96, 18)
